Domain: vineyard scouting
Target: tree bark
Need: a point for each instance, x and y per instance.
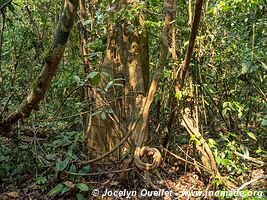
(1, 49)
(169, 7)
(193, 35)
(126, 58)
(44, 79)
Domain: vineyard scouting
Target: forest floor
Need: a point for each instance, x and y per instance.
(19, 172)
(167, 182)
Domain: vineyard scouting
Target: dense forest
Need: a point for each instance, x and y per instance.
(133, 99)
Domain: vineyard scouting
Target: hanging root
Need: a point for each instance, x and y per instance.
(147, 153)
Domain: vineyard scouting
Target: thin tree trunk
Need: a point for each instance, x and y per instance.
(169, 7)
(190, 13)
(44, 79)
(193, 35)
(1, 50)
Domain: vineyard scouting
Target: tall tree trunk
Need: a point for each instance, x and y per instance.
(85, 92)
(126, 58)
(44, 79)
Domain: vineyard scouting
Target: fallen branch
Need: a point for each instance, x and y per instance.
(250, 159)
(252, 181)
(99, 173)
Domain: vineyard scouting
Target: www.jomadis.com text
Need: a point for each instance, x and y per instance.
(162, 192)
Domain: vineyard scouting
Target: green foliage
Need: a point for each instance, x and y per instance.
(227, 70)
(41, 180)
(58, 189)
(83, 187)
(230, 107)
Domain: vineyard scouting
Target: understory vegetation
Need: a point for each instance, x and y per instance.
(133, 95)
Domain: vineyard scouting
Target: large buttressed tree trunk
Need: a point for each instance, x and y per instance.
(126, 58)
(43, 81)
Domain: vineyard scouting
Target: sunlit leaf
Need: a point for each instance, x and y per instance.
(178, 95)
(250, 134)
(264, 65)
(110, 83)
(225, 162)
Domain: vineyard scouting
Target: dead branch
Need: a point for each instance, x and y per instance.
(250, 158)
(252, 181)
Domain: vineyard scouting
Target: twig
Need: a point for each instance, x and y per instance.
(252, 181)
(250, 159)
(99, 173)
(5, 106)
(64, 100)
(195, 164)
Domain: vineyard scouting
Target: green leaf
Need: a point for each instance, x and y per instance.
(226, 162)
(61, 165)
(56, 190)
(110, 83)
(103, 115)
(83, 187)
(96, 80)
(97, 112)
(245, 68)
(264, 65)
(245, 150)
(232, 134)
(41, 180)
(64, 190)
(259, 150)
(211, 142)
(264, 122)
(92, 75)
(250, 134)
(218, 160)
(85, 170)
(179, 95)
(50, 157)
(73, 169)
(95, 77)
(79, 196)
